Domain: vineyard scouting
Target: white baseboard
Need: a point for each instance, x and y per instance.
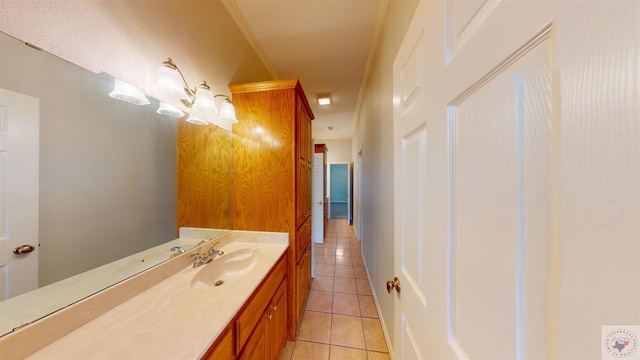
(375, 300)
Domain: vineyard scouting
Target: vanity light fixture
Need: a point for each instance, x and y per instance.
(129, 93)
(173, 85)
(324, 98)
(169, 110)
(195, 120)
(227, 111)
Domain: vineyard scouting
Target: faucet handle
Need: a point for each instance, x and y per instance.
(213, 251)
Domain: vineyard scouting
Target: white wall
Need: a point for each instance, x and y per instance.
(339, 150)
(374, 134)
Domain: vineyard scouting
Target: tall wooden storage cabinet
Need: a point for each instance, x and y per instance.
(272, 164)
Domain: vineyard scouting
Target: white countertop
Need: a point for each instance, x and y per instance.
(172, 320)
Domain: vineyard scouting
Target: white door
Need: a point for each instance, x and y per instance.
(517, 169)
(317, 184)
(19, 162)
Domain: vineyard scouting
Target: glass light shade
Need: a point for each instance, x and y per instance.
(195, 120)
(204, 100)
(170, 84)
(169, 110)
(228, 112)
(129, 93)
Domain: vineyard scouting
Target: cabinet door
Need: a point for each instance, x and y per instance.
(304, 164)
(303, 281)
(276, 324)
(223, 350)
(255, 347)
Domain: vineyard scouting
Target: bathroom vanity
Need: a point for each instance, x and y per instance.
(232, 307)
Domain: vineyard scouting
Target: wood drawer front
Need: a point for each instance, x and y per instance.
(303, 238)
(260, 299)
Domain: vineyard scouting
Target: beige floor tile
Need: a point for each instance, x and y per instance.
(347, 331)
(367, 306)
(305, 350)
(344, 260)
(343, 245)
(345, 353)
(372, 355)
(360, 272)
(327, 259)
(345, 285)
(344, 238)
(347, 304)
(325, 270)
(355, 247)
(345, 271)
(357, 261)
(320, 301)
(373, 335)
(330, 245)
(363, 286)
(315, 326)
(322, 283)
(343, 252)
(287, 350)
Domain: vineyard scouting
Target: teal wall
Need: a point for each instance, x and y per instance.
(338, 179)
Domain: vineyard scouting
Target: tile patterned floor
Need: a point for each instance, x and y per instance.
(340, 319)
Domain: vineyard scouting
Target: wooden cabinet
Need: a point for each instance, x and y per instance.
(270, 333)
(276, 323)
(303, 267)
(272, 165)
(222, 349)
(203, 178)
(259, 330)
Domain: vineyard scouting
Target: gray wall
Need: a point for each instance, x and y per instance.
(107, 168)
(374, 134)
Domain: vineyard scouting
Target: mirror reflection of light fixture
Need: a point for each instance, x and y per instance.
(195, 120)
(227, 111)
(129, 93)
(324, 98)
(169, 110)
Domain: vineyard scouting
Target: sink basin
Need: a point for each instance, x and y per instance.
(225, 269)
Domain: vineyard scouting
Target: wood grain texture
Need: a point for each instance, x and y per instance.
(272, 168)
(203, 176)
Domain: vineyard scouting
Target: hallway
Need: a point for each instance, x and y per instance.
(340, 320)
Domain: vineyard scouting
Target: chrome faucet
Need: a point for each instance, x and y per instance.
(206, 256)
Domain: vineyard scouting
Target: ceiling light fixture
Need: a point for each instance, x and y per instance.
(172, 84)
(324, 98)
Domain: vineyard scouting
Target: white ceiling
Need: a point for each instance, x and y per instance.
(324, 43)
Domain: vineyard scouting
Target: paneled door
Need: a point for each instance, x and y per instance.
(19, 169)
(317, 195)
(516, 177)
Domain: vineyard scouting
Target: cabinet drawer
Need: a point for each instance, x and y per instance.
(260, 299)
(303, 238)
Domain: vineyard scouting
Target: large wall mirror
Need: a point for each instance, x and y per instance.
(107, 184)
